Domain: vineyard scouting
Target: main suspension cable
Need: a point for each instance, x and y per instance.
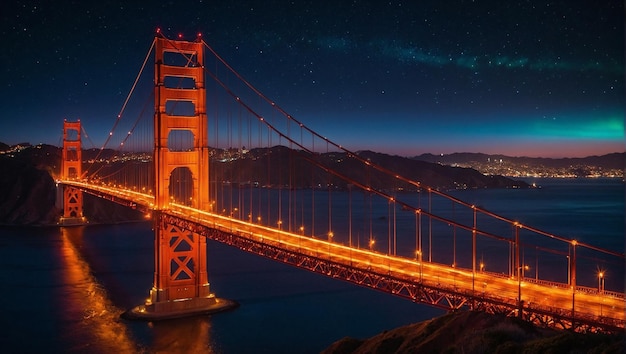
(119, 115)
(391, 173)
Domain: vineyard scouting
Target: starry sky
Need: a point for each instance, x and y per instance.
(520, 78)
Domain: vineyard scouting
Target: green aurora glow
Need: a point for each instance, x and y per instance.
(597, 128)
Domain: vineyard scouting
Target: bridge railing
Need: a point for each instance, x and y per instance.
(596, 291)
(382, 266)
(408, 270)
(548, 283)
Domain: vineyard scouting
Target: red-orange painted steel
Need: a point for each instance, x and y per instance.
(71, 168)
(180, 256)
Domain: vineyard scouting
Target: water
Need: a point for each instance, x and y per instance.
(63, 290)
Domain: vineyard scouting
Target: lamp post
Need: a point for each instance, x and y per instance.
(519, 292)
(520, 275)
(600, 282)
(280, 227)
(418, 256)
(330, 238)
(568, 270)
(536, 266)
(601, 289)
(518, 267)
(573, 277)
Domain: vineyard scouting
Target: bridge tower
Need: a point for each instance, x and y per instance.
(181, 286)
(71, 168)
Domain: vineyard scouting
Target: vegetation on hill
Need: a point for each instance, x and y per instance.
(281, 166)
(477, 332)
(27, 194)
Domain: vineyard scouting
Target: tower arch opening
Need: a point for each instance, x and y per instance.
(181, 186)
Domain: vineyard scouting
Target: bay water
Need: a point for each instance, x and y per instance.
(63, 289)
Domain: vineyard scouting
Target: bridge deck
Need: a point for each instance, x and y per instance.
(549, 303)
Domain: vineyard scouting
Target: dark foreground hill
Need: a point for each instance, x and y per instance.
(28, 196)
(477, 332)
(280, 166)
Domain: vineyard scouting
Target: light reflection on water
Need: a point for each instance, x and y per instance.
(63, 291)
(89, 302)
(100, 328)
(187, 335)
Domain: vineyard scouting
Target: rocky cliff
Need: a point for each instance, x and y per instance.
(27, 194)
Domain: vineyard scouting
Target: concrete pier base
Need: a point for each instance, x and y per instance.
(73, 221)
(179, 308)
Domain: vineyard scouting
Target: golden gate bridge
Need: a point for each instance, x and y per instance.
(268, 184)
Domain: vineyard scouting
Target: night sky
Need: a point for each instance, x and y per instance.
(521, 78)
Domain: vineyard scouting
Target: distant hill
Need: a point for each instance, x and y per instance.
(610, 161)
(260, 167)
(609, 165)
(28, 193)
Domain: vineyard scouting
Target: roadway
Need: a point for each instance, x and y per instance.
(551, 297)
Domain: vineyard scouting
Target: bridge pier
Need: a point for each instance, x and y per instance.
(170, 309)
(181, 286)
